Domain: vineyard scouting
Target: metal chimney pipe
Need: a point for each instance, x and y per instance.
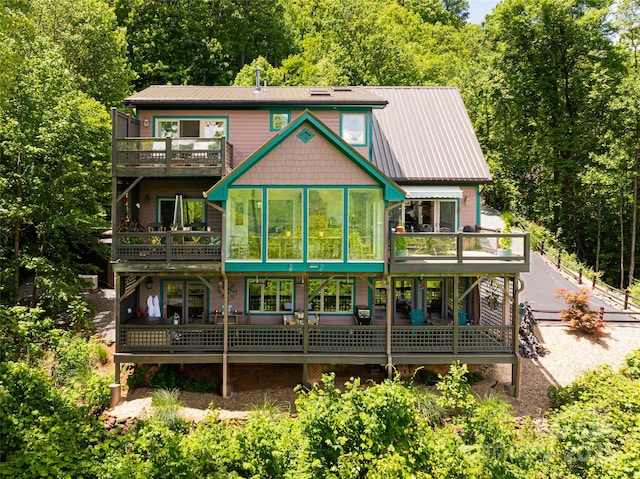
(257, 69)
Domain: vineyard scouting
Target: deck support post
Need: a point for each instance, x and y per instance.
(388, 317)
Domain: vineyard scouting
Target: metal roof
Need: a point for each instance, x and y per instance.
(269, 95)
(425, 134)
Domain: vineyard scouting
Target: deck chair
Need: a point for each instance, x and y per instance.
(462, 318)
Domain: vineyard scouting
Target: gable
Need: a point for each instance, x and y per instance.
(306, 152)
(298, 161)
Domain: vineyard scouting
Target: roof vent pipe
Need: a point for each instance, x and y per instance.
(257, 69)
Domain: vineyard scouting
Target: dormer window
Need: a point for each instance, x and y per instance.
(354, 128)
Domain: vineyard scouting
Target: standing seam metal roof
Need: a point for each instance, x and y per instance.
(425, 135)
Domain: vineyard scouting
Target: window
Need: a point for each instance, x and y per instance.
(279, 120)
(354, 128)
(365, 224)
(192, 128)
(335, 297)
(244, 223)
(186, 299)
(193, 211)
(284, 220)
(325, 212)
(270, 295)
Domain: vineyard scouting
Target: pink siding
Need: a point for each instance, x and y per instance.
(296, 162)
(468, 211)
(248, 129)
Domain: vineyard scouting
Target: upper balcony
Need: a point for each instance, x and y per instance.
(459, 253)
(171, 157)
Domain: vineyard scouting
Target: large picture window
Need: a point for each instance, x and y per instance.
(325, 212)
(366, 230)
(267, 295)
(244, 224)
(335, 297)
(284, 220)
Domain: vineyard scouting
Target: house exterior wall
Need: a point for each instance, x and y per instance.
(248, 129)
(315, 162)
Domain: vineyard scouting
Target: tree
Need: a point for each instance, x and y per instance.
(54, 151)
(90, 42)
(553, 61)
(200, 42)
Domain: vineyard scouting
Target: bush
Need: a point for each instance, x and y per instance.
(455, 390)
(631, 368)
(579, 315)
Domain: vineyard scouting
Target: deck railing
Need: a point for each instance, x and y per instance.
(167, 246)
(459, 249)
(169, 156)
(320, 339)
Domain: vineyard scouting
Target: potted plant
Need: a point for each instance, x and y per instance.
(401, 241)
(504, 242)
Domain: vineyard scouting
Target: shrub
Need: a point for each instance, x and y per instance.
(166, 404)
(455, 390)
(631, 368)
(579, 315)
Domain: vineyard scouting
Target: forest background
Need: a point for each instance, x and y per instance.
(552, 87)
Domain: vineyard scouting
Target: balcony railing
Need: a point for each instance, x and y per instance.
(320, 339)
(481, 252)
(167, 246)
(171, 156)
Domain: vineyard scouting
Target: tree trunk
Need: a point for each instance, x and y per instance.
(598, 234)
(634, 212)
(16, 234)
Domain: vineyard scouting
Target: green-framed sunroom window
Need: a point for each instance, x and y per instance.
(336, 296)
(366, 211)
(325, 213)
(284, 223)
(270, 295)
(244, 224)
(305, 224)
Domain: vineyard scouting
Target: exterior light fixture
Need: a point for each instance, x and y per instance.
(149, 282)
(145, 123)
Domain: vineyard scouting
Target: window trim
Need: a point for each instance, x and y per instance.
(161, 118)
(262, 279)
(320, 295)
(365, 127)
(272, 113)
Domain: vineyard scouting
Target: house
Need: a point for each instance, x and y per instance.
(327, 225)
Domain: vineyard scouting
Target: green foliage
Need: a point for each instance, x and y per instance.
(43, 433)
(166, 404)
(26, 333)
(631, 366)
(353, 430)
(455, 390)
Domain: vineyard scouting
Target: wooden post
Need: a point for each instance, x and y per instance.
(559, 259)
(580, 276)
(601, 313)
(626, 299)
(593, 283)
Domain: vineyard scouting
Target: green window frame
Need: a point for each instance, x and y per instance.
(278, 120)
(366, 231)
(244, 224)
(354, 128)
(269, 295)
(325, 229)
(285, 224)
(191, 127)
(336, 296)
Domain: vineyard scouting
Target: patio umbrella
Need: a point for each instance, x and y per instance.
(178, 216)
